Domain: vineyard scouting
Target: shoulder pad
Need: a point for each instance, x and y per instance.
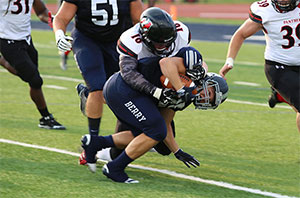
(183, 32)
(130, 42)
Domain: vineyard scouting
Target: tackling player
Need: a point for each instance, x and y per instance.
(280, 22)
(133, 95)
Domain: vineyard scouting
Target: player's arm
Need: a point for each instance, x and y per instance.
(171, 143)
(64, 15)
(41, 10)
(136, 9)
(130, 74)
(170, 68)
(247, 29)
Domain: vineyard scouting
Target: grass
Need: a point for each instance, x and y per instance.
(246, 145)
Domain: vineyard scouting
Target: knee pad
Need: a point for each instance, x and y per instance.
(36, 81)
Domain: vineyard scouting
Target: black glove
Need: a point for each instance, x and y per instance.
(186, 158)
(184, 98)
(167, 96)
(197, 73)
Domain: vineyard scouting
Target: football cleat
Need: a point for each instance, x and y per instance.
(82, 160)
(273, 98)
(90, 152)
(82, 92)
(118, 176)
(48, 122)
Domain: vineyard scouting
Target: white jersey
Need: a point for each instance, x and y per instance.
(15, 19)
(282, 32)
(131, 42)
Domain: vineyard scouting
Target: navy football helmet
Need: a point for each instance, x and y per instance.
(158, 31)
(285, 6)
(220, 89)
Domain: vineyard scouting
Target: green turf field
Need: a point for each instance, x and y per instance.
(246, 145)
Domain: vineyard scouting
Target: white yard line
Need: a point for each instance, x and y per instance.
(163, 171)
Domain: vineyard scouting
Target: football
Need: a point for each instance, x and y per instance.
(186, 81)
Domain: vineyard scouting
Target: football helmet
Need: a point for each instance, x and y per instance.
(158, 31)
(220, 87)
(285, 6)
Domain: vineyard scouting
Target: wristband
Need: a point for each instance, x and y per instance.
(157, 93)
(229, 61)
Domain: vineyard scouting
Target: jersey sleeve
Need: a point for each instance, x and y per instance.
(183, 32)
(130, 74)
(255, 13)
(130, 42)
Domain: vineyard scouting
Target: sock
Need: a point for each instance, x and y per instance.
(120, 162)
(94, 125)
(280, 98)
(101, 142)
(44, 112)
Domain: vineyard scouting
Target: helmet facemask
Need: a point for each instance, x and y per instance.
(285, 6)
(205, 100)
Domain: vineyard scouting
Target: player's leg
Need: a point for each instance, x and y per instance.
(89, 58)
(286, 81)
(7, 66)
(24, 59)
(138, 110)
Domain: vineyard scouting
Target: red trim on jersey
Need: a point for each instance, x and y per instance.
(298, 5)
(255, 17)
(125, 50)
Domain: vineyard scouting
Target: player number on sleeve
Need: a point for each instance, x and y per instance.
(100, 16)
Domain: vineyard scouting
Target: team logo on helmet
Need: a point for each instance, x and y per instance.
(145, 24)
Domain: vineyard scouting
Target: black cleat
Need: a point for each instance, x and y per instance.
(273, 98)
(118, 176)
(82, 92)
(48, 122)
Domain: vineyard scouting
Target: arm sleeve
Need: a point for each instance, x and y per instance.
(130, 74)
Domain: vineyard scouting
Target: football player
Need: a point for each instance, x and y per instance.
(279, 20)
(17, 48)
(134, 99)
(98, 25)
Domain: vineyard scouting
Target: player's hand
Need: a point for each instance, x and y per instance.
(187, 159)
(165, 96)
(185, 97)
(63, 41)
(227, 67)
(224, 70)
(50, 19)
(197, 73)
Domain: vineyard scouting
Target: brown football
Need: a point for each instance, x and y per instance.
(186, 81)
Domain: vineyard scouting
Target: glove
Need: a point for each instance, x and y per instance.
(197, 73)
(50, 19)
(186, 158)
(63, 42)
(184, 98)
(165, 96)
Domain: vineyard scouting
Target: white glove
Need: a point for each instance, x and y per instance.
(63, 42)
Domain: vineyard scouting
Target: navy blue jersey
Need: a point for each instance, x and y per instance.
(102, 20)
